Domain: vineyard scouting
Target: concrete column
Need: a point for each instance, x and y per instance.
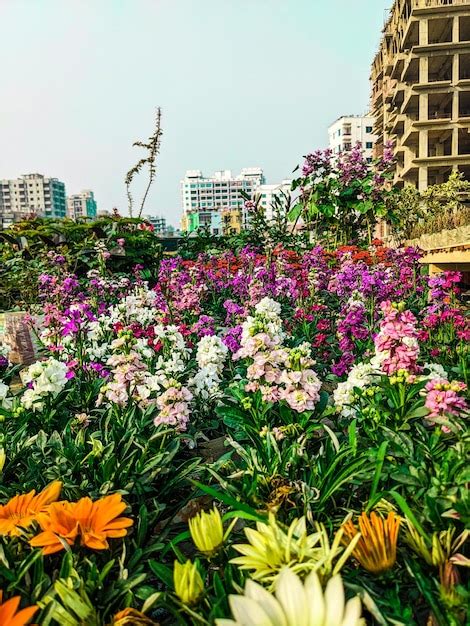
(455, 69)
(423, 107)
(456, 29)
(455, 105)
(422, 178)
(423, 32)
(455, 141)
(423, 69)
(423, 144)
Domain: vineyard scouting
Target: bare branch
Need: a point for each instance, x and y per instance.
(153, 149)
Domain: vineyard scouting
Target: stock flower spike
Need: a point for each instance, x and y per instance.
(9, 614)
(294, 604)
(22, 510)
(207, 531)
(93, 522)
(376, 549)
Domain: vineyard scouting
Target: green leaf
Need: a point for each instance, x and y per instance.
(352, 434)
(230, 501)
(162, 572)
(379, 461)
(295, 212)
(27, 563)
(409, 514)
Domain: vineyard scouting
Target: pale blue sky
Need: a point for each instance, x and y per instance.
(241, 83)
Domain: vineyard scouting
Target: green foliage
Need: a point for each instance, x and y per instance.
(440, 207)
(28, 249)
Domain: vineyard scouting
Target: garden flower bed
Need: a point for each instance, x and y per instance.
(253, 438)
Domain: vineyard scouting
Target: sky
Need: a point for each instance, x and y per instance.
(241, 83)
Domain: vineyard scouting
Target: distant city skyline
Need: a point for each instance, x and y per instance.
(241, 83)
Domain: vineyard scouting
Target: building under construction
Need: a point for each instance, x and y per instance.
(421, 90)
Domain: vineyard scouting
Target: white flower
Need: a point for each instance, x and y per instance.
(5, 403)
(295, 604)
(205, 383)
(361, 375)
(269, 307)
(211, 351)
(378, 359)
(435, 371)
(31, 400)
(46, 378)
(410, 342)
(343, 397)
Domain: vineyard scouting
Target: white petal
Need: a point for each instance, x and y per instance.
(334, 599)
(269, 603)
(291, 594)
(247, 612)
(316, 602)
(353, 612)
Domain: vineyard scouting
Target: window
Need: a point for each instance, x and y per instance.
(368, 129)
(339, 132)
(369, 145)
(369, 160)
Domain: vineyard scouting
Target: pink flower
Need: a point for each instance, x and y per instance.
(174, 406)
(442, 398)
(398, 338)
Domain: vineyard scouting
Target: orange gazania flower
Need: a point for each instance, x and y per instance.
(94, 522)
(132, 617)
(376, 550)
(21, 511)
(9, 614)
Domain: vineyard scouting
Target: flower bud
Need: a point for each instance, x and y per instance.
(188, 582)
(207, 531)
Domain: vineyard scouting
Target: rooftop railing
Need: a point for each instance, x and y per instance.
(424, 4)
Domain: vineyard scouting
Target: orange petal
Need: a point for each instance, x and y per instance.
(50, 494)
(8, 609)
(23, 617)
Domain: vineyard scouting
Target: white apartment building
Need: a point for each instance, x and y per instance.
(32, 193)
(349, 130)
(204, 198)
(269, 193)
(81, 204)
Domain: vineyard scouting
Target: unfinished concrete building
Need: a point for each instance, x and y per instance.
(421, 90)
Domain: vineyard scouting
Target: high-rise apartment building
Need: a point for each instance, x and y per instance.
(349, 130)
(32, 193)
(204, 198)
(82, 204)
(269, 194)
(421, 89)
